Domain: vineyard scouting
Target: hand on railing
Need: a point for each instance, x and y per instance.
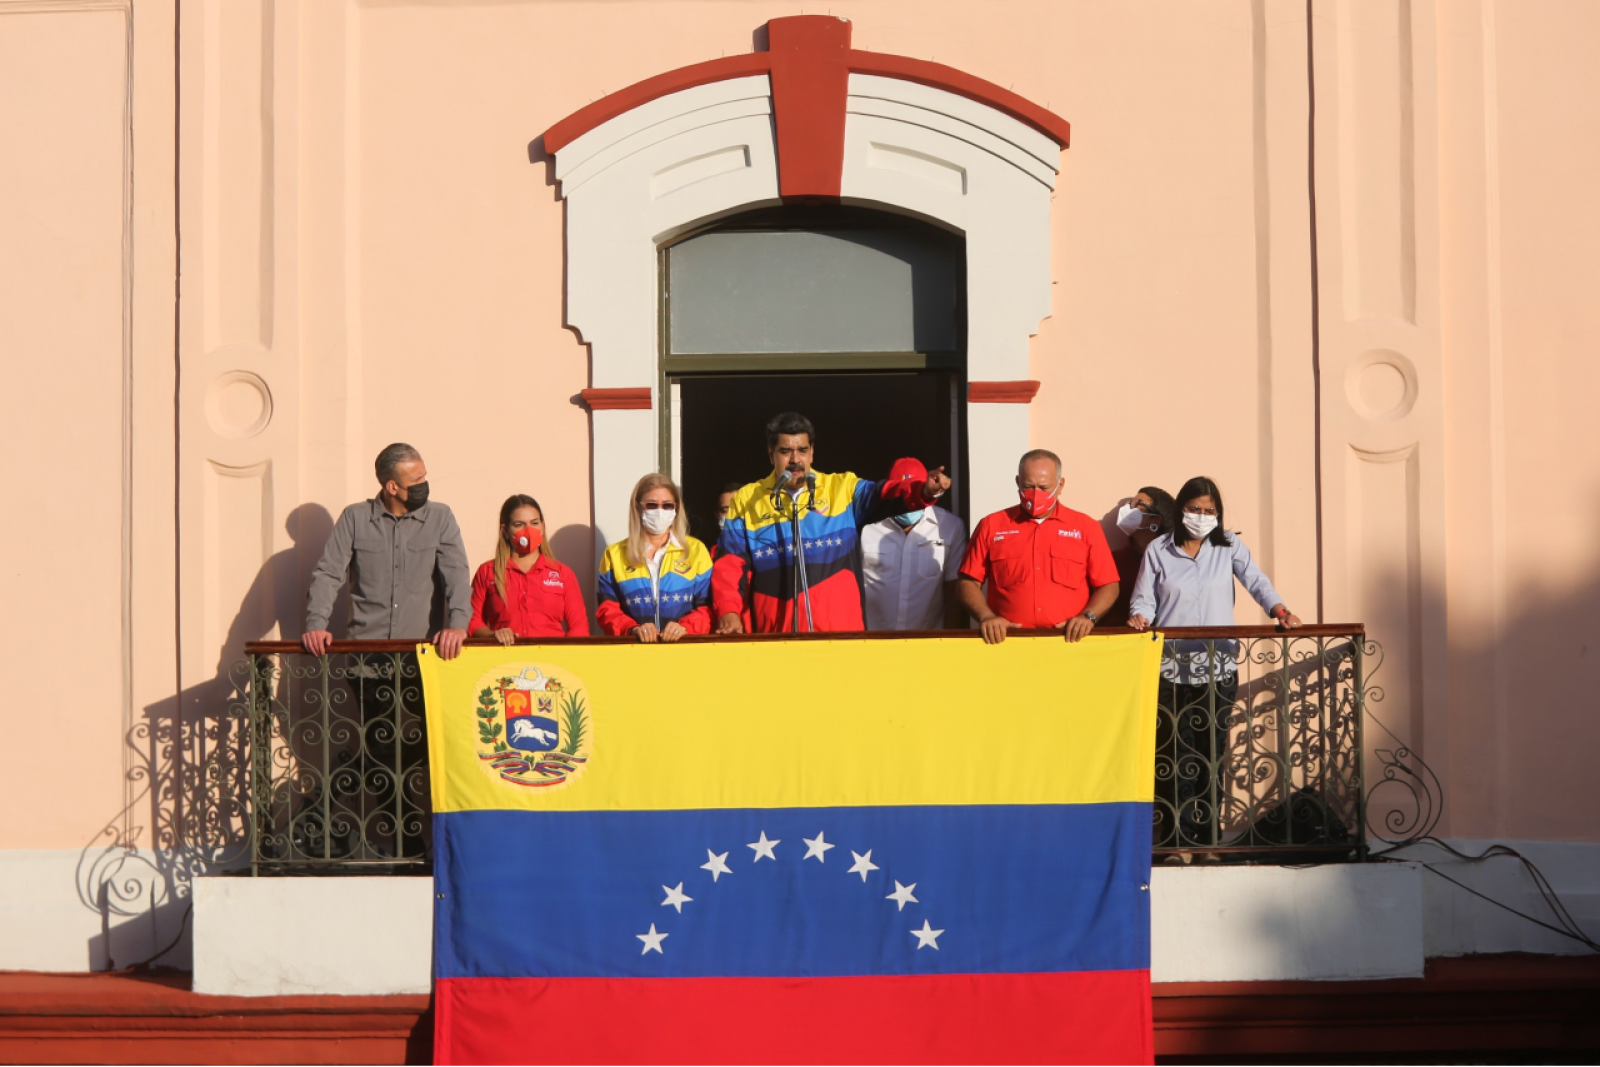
(1287, 619)
(994, 629)
(1138, 622)
(449, 642)
(316, 642)
(649, 634)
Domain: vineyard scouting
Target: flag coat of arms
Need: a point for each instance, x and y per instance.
(850, 850)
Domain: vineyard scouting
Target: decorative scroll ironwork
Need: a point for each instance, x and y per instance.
(1406, 798)
(1259, 748)
(338, 771)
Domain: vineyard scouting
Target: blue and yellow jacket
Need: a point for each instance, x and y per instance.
(757, 566)
(626, 599)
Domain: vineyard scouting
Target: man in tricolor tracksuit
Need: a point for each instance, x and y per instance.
(788, 547)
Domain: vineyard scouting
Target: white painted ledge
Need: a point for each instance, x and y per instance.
(373, 936)
(1259, 924)
(269, 937)
(94, 909)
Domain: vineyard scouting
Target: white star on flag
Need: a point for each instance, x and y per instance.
(764, 848)
(925, 936)
(678, 898)
(816, 846)
(716, 864)
(863, 864)
(652, 940)
(901, 896)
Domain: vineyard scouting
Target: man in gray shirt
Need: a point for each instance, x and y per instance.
(407, 569)
(398, 550)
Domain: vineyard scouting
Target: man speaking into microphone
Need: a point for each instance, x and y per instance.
(788, 548)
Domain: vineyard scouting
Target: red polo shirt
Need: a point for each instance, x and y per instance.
(1040, 573)
(545, 602)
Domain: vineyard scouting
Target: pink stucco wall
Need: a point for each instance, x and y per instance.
(365, 239)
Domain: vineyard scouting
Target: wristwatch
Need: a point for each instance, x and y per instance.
(1091, 616)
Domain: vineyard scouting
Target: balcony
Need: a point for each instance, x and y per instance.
(319, 765)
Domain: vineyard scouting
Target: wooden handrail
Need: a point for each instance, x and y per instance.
(1355, 629)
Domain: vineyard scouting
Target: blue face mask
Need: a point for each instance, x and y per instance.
(908, 519)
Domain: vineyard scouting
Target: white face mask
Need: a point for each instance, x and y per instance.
(1199, 525)
(658, 520)
(1130, 520)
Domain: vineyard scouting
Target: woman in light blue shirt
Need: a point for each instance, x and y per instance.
(1187, 579)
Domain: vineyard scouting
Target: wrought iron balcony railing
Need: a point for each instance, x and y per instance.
(1259, 750)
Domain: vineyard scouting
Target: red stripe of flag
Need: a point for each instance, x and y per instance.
(1076, 1017)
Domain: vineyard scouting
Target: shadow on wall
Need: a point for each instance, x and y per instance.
(1516, 756)
(188, 775)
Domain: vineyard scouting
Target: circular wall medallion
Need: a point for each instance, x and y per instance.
(238, 404)
(1382, 385)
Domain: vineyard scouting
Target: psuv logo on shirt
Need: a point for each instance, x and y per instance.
(1071, 533)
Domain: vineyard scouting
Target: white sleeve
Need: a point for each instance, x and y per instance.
(955, 547)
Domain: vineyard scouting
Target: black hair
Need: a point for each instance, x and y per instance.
(790, 422)
(731, 487)
(1166, 508)
(1193, 489)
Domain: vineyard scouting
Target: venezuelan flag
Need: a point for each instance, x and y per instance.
(844, 850)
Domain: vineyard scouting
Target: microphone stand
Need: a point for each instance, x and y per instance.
(802, 585)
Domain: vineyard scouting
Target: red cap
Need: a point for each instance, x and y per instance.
(904, 484)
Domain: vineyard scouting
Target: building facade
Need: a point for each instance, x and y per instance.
(1338, 255)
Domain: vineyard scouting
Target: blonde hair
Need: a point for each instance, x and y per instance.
(502, 547)
(638, 543)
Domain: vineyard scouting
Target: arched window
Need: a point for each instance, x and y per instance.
(855, 318)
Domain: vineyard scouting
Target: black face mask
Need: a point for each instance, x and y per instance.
(416, 496)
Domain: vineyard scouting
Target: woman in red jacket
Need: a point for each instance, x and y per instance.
(525, 591)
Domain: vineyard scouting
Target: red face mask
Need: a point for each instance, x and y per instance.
(1037, 502)
(526, 541)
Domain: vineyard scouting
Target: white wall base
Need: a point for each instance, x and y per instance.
(277, 936)
(1243, 924)
(266, 937)
(1460, 924)
(90, 909)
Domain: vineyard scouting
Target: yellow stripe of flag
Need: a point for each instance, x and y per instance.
(766, 724)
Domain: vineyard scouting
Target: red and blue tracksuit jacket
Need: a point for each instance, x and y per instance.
(755, 568)
(626, 598)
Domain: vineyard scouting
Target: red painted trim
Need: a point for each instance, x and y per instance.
(609, 107)
(809, 61)
(939, 76)
(1021, 392)
(154, 1018)
(1472, 1003)
(810, 84)
(1476, 1003)
(616, 399)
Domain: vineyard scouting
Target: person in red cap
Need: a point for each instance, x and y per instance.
(910, 561)
(1045, 564)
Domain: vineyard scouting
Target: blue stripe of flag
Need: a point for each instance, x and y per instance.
(1014, 889)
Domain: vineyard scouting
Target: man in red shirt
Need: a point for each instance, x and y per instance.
(1046, 565)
